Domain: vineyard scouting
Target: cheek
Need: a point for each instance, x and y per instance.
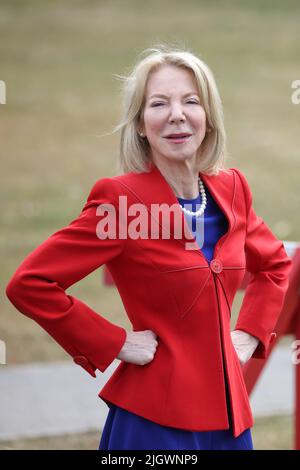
(154, 124)
(200, 120)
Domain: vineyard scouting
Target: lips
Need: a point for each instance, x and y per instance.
(177, 136)
(177, 139)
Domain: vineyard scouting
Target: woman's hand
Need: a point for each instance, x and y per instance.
(244, 345)
(139, 347)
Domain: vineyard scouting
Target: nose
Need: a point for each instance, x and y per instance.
(176, 113)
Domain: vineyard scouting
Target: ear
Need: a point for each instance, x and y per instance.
(141, 130)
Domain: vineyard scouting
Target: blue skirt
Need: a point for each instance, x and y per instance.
(124, 430)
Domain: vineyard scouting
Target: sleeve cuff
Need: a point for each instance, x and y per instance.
(265, 341)
(84, 362)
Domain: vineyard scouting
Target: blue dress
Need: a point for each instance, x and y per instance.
(124, 430)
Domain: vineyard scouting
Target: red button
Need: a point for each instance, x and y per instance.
(81, 360)
(273, 337)
(216, 265)
(85, 363)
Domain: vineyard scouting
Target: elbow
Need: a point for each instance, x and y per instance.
(16, 290)
(285, 267)
(283, 261)
(34, 295)
(287, 262)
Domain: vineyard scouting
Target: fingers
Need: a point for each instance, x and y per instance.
(153, 339)
(148, 333)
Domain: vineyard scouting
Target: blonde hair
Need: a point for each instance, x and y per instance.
(134, 152)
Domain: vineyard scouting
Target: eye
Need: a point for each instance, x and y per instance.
(158, 103)
(192, 101)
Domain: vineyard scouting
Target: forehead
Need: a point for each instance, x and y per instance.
(170, 78)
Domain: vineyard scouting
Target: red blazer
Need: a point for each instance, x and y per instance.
(175, 292)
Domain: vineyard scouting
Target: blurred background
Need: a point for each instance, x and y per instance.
(57, 59)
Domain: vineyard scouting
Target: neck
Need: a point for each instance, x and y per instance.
(182, 178)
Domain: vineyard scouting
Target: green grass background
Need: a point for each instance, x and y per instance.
(58, 58)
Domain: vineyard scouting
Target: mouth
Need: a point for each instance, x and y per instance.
(178, 138)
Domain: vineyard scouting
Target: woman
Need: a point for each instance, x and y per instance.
(177, 231)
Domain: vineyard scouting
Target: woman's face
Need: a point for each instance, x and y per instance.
(172, 106)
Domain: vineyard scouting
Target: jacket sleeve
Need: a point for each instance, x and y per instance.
(37, 288)
(269, 265)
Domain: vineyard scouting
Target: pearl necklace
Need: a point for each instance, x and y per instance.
(202, 208)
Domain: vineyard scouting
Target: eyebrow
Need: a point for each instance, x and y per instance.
(160, 95)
